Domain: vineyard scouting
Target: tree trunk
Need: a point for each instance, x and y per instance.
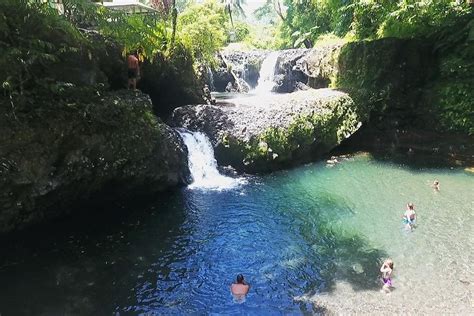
(174, 18)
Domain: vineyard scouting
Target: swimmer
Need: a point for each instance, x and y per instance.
(332, 161)
(387, 269)
(435, 185)
(241, 288)
(409, 217)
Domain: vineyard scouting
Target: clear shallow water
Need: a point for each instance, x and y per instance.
(307, 240)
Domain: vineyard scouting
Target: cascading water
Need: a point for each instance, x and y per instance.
(211, 78)
(202, 164)
(267, 74)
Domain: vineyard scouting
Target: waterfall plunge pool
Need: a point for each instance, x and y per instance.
(308, 240)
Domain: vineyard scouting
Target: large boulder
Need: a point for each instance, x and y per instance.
(285, 130)
(289, 76)
(320, 65)
(62, 155)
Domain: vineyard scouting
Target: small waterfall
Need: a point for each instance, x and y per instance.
(267, 74)
(210, 76)
(202, 164)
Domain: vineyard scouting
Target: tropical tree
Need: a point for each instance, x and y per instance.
(234, 6)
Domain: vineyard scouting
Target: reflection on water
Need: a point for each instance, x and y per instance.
(307, 240)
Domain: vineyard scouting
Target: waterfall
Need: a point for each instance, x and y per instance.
(210, 76)
(203, 165)
(267, 74)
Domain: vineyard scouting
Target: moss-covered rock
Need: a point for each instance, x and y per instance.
(65, 152)
(450, 94)
(285, 130)
(406, 83)
(320, 64)
(386, 78)
(170, 81)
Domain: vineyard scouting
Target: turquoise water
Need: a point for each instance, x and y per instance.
(308, 240)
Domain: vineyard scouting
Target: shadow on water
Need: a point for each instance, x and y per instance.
(340, 255)
(85, 264)
(347, 257)
(335, 253)
(178, 254)
(414, 149)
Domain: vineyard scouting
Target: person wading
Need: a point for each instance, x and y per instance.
(133, 70)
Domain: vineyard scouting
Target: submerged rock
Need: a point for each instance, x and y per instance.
(63, 155)
(254, 135)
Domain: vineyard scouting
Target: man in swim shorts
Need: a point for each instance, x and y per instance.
(133, 70)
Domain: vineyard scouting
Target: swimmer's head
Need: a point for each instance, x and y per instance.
(389, 262)
(410, 206)
(436, 182)
(240, 278)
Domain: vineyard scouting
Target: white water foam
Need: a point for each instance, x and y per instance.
(267, 74)
(203, 165)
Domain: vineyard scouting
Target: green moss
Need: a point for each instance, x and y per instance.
(454, 96)
(455, 105)
(405, 82)
(317, 132)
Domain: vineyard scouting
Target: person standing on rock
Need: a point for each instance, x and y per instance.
(133, 70)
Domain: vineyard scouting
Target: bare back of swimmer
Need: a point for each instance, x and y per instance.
(241, 288)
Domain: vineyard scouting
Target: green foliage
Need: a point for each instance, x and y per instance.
(305, 20)
(201, 28)
(456, 105)
(259, 37)
(454, 96)
(148, 33)
(33, 37)
(419, 18)
(241, 30)
(233, 8)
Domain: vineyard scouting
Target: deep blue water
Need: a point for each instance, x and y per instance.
(292, 233)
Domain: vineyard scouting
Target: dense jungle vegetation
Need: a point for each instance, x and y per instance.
(38, 41)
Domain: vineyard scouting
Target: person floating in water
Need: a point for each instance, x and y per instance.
(387, 269)
(409, 217)
(133, 70)
(240, 289)
(436, 185)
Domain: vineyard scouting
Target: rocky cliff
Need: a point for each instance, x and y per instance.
(61, 155)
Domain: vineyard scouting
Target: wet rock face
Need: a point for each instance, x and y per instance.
(222, 76)
(285, 130)
(320, 65)
(53, 161)
(300, 69)
(289, 76)
(241, 66)
(389, 77)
